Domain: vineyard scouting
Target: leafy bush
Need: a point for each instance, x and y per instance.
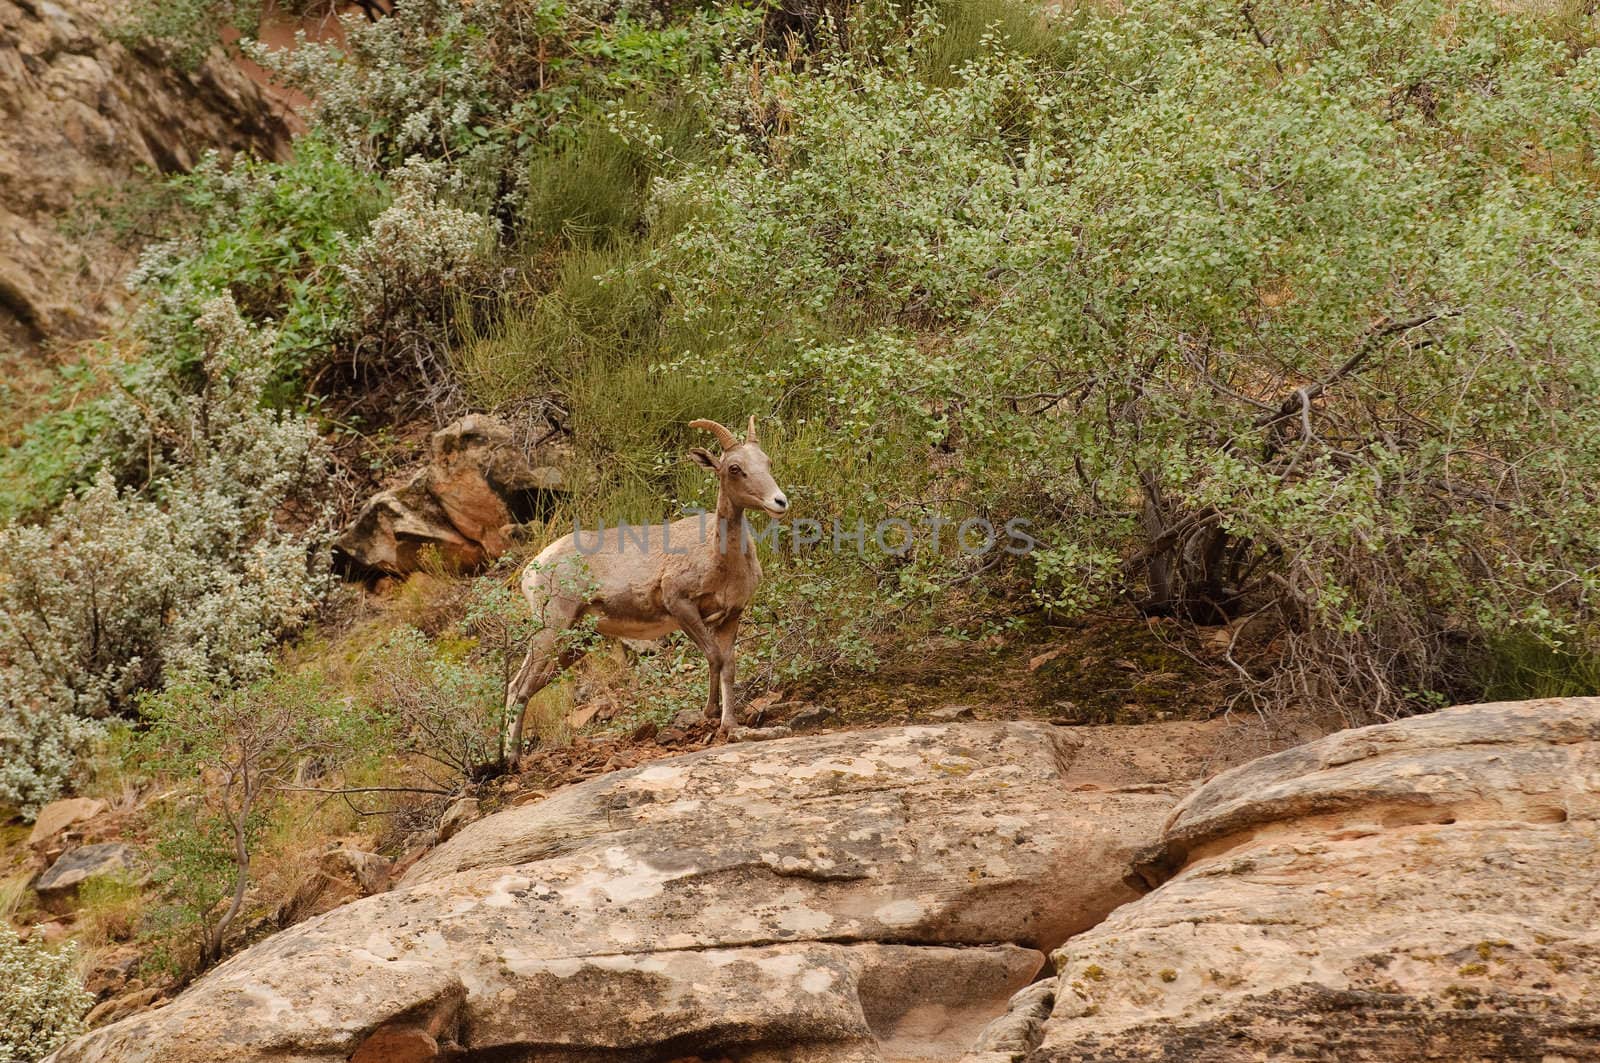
(199, 573)
(272, 235)
(1292, 334)
(43, 1000)
(478, 84)
(185, 31)
(446, 707)
(445, 697)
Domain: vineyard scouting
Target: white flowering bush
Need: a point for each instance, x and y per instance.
(42, 999)
(478, 84)
(198, 572)
(422, 261)
(422, 81)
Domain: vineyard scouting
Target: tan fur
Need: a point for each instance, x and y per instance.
(695, 575)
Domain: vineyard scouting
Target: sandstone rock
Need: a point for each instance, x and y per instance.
(113, 971)
(848, 897)
(369, 871)
(580, 717)
(1422, 890)
(51, 933)
(758, 734)
(132, 1002)
(809, 717)
(952, 712)
(1013, 1035)
(476, 486)
(57, 816)
(79, 113)
(398, 1044)
(462, 810)
(74, 866)
(341, 876)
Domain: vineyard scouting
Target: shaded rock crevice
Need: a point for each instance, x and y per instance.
(1425, 890)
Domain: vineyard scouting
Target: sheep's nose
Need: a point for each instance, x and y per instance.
(780, 503)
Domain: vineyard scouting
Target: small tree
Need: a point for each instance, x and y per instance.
(245, 747)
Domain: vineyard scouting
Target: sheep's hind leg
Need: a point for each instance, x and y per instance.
(540, 666)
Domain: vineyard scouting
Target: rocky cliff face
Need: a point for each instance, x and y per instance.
(1421, 891)
(78, 113)
(853, 897)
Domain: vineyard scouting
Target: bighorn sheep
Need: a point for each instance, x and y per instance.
(694, 575)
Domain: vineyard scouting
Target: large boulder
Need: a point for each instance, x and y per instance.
(460, 506)
(79, 113)
(57, 816)
(1421, 890)
(860, 896)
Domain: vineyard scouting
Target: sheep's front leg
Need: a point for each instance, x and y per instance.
(714, 690)
(722, 681)
(687, 614)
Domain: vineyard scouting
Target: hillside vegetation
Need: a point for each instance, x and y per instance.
(1275, 323)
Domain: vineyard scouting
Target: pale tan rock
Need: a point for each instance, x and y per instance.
(340, 876)
(132, 1002)
(57, 816)
(369, 871)
(1422, 890)
(855, 897)
(462, 810)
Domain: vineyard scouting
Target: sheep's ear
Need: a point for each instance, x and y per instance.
(701, 456)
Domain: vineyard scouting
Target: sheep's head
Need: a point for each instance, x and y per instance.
(743, 469)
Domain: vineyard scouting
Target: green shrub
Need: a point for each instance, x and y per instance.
(445, 707)
(193, 574)
(444, 698)
(418, 263)
(245, 746)
(480, 84)
(273, 235)
(55, 455)
(1521, 665)
(185, 31)
(1294, 334)
(42, 1000)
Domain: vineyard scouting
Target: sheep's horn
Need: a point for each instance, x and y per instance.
(725, 437)
(750, 434)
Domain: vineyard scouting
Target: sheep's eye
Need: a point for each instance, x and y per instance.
(736, 470)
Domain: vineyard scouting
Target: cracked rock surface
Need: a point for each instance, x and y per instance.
(861, 896)
(1421, 890)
